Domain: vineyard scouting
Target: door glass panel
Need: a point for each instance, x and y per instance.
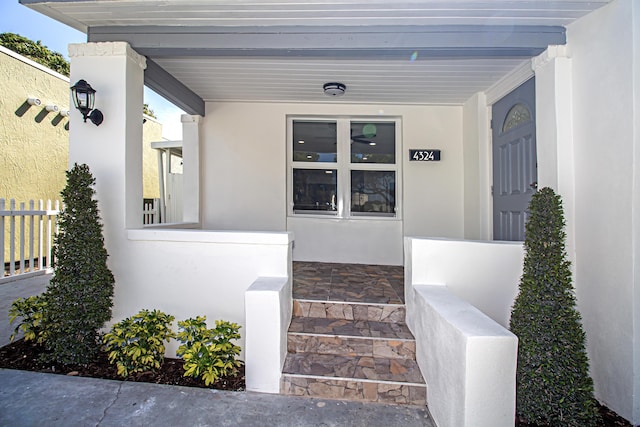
(314, 141)
(315, 190)
(518, 114)
(373, 192)
(373, 142)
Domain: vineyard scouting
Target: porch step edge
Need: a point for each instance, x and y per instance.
(358, 337)
(364, 380)
(348, 302)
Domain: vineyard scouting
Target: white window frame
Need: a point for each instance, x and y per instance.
(344, 167)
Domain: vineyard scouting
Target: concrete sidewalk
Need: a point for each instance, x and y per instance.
(9, 292)
(36, 399)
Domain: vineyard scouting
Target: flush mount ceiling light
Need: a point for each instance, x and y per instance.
(334, 89)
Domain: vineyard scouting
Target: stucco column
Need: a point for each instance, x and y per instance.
(191, 168)
(477, 169)
(112, 150)
(554, 131)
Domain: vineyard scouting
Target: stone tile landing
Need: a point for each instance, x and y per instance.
(348, 339)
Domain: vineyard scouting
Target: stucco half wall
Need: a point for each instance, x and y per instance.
(465, 355)
(189, 273)
(485, 274)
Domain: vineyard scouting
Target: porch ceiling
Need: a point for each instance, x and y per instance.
(409, 51)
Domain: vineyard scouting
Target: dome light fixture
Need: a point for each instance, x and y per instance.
(334, 89)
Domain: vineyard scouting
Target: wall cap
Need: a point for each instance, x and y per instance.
(107, 49)
(552, 52)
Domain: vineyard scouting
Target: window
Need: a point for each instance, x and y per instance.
(343, 168)
(518, 114)
(314, 190)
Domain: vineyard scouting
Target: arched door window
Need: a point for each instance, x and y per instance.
(518, 115)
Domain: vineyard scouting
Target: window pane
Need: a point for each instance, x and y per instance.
(314, 141)
(373, 142)
(315, 190)
(518, 115)
(373, 192)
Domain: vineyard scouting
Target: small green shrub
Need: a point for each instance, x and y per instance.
(136, 344)
(208, 353)
(31, 311)
(79, 296)
(553, 386)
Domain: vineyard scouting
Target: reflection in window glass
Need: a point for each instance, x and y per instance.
(315, 190)
(314, 141)
(373, 142)
(373, 192)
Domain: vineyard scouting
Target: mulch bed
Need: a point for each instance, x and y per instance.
(25, 356)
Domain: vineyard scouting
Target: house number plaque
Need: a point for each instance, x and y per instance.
(424, 155)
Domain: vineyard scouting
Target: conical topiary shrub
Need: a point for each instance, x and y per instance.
(552, 385)
(79, 296)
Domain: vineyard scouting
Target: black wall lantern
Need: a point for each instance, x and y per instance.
(84, 97)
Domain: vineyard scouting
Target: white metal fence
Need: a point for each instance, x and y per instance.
(26, 237)
(151, 211)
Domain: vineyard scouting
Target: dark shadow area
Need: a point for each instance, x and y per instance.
(23, 109)
(41, 115)
(57, 119)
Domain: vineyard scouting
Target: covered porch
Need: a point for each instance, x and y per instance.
(250, 76)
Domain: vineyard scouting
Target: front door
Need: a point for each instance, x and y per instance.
(515, 172)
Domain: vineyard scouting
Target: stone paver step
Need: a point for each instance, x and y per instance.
(349, 310)
(351, 346)
(349, 367)
(358, 390)
(350, 328)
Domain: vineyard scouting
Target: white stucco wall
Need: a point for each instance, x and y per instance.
(603, 47)
(245, 167)
(182, 272)
(268, 309)
(636, 218)
(465, 355)
(554, 132)
(189, 273)
(485, 274)
(477, 164)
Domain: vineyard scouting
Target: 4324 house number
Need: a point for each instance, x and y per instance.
(424, 155)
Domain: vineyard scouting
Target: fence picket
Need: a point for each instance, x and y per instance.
(31, 236)
(40, 240)
(22, 236)
(150, 212)
(12, 240)
(39, 259)
(2, 233)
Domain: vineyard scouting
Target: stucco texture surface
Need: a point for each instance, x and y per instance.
(34, 143)
(151, 132)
